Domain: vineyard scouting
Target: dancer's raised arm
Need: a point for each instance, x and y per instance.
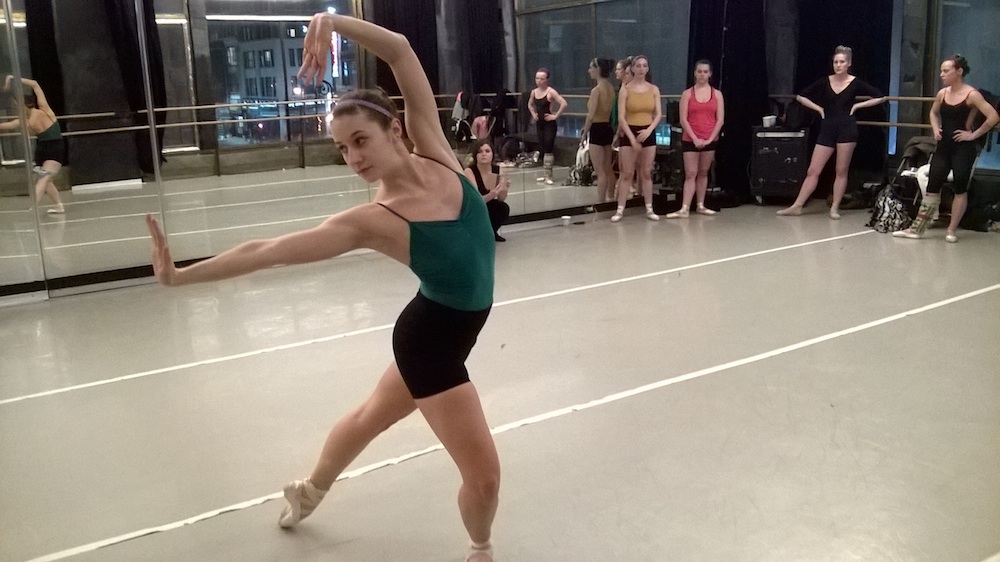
(423, 124)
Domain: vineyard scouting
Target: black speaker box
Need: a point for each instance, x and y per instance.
(779, 162)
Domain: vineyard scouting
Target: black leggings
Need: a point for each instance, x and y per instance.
(951, 156)
(499, 211)
(546, 135)
(431, 342)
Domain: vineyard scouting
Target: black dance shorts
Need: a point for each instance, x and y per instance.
(835, 131)
(688, 146)
(54, 149)
(650, 140)
(431, 342)
(601, 134)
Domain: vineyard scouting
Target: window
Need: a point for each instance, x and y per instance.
(268, 87)
(266, 58)
(291, 57)
(231, 56)
(248, 60)
(251, 87)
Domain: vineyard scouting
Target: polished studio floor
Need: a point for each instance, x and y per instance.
(739, 387)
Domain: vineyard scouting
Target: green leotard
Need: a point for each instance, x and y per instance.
(454, 259)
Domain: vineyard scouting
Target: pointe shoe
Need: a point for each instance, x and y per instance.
(703, 210)
(951, 238)
(548, 181)
(540, 179)
(56, 211)
(907, 233)
(834, 215)
(652, 216)
(302, 499)
(681, 214)
(792, 211)
(616, 217)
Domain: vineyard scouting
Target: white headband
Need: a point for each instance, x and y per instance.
(368, 104)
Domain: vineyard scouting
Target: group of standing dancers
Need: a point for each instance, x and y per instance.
(627, 118)
(428, 215)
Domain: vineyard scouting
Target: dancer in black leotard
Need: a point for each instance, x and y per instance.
(951, 118)
(427, 216)
(542, 99)
(833, 97)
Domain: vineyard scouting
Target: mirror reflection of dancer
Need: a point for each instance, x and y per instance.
(639, 114)
(540, 105)
(427, 216)
(702, 112)
(951, 118)
(50, 147)
(833, 98)
(623, 73)
(598, 128)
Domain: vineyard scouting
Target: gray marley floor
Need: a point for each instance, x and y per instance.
(740, 387)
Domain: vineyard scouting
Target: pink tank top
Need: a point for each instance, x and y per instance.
(701, 116)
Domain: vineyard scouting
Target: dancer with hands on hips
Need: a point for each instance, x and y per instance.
(427, 216)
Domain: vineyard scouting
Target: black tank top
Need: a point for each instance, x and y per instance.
(953, 117)
(542, 106)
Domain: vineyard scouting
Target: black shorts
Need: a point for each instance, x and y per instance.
(601, 134)
(54, 149)
(688, 146)
(835, 131)
(650, 140)
(431, 342)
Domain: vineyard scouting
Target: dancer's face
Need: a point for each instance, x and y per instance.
(485, 155)
(841, 64)
(702, 73)
(620, 72)
(367, 148)
(594, 72)
(640, 67)
(541, 80)
(950, 74)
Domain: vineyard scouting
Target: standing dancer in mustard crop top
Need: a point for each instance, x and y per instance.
(50, 146)
(427, 216)
(599, 127)
(639, 114)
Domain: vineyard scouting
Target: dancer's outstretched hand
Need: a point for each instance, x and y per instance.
(163, 264)
(316, 48)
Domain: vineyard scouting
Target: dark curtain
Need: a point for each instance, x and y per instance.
(486, 49)
(730, 33)
(866, 27)
(417, 20)
(125, 37)
(45, 67)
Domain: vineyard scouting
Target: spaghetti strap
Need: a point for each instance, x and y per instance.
(393, 212)
(438, 161)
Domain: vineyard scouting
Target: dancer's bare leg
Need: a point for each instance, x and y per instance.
(958, 207)
(457, 418)
(845, 151)
(644, 167)
(821, 154)
(47, 186)
(387, 404)
(701, 182)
